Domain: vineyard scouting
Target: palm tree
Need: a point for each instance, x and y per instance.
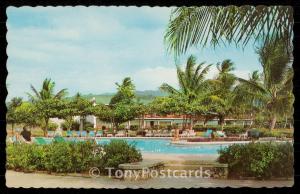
(194, 26)
(125, 92)
(47, 92)
(277, 84)
(192, 82)
(222, 94)
(44, 95)
(248, 101)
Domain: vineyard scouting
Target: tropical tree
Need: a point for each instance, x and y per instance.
(191, 80)
(222, 94)
(199, 26)
(45, 100)
(46, 92)
(46, 109)
(123, 104)
(249, 101)
(192, 85)
(67, 112)
(82, 108)
(11, 116)
(26, 114)
(277, 84)
(125, 92)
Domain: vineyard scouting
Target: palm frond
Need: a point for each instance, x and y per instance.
(169, 89)
(61, 93)
(37, 94)
(193, 26)
(254, 85)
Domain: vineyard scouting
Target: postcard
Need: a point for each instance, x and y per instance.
(150, 97)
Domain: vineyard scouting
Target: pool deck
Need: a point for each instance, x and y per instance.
(180, 157)
(38, 180)
(183, 142)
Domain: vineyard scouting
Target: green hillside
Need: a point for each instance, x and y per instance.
(143, 96)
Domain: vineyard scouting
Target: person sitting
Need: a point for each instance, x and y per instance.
(26, 135)
(58, 133)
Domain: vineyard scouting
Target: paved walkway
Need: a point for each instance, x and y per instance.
(19, 179)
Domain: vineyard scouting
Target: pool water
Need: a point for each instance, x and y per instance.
(165, 146)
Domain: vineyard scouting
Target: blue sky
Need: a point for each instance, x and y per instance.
(88, 49)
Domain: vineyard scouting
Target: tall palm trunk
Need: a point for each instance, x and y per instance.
(285, 123)
(221, 121)
(12, 129)
(191, 123)
(46, 127)
(81, 124)
(273, 122)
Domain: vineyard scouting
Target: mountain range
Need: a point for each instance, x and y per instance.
(143, 96)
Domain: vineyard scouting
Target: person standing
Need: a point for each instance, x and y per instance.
(26, 135)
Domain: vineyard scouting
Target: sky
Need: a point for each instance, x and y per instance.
(89, 49)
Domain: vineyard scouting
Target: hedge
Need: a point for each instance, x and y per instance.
(66, 157)
(259, 160)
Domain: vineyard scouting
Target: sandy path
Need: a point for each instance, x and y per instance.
(19, 179)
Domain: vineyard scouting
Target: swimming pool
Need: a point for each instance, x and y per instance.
(164, 146)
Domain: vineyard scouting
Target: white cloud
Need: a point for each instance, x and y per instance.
(88, 49)
(152, 78)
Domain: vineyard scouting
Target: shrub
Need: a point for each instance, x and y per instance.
(141, 132)
(121, 127)
(25, 157)
(87, 124)
(264, 132)
(234, 130)
(260, 160)
(134, 127)
(118, 152)
(254, 133)
(67, 157)
(58, 157)
(74, 125)
(52, 126)
(89, 129)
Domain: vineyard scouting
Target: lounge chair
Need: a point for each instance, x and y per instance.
(148, 134)
(12, 139)
(244, 135)
(191, 133)
(221, 134)
(208, 133)
(157, 133)
(59, 139)
(120, 134)
(99, 133)
(57, 133)
(69, 133)
(50, 133)
(169, 133)
(109, 135)
(184, 134)
(164, 133)
(40, 141)
(92, 134)
(83, 134)
(77, 133)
